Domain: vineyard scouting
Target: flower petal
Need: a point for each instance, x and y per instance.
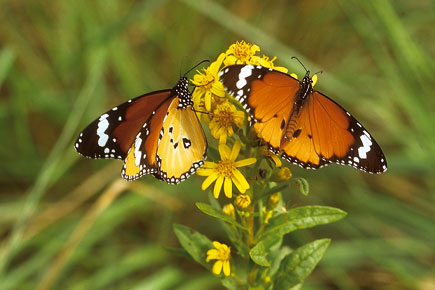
(223, 139)
(224, 151)
(245, 162)
(217, 88)
(217, 187)
(217, 267)
(238, 184)
(235, 151)
(226, 268)
(216, 244)
(276, 160)
(209, 180)
(209, 164)
(205, 171)
(207, 100)
(228, 187)
(212, 254)
(242, 180)
(214, 67)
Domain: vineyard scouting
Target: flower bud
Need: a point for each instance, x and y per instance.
(243, 201)
(228, 209)
(283, 174)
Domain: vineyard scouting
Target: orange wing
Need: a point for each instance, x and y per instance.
(310, 129)
(267, 95)
(326, 133)
(171, 144)
(141, 157)
(112, 134)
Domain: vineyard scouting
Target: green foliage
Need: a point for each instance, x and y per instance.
(211, 211)
(303, 185)
(301, 218)
(298, 264)
(194, 243)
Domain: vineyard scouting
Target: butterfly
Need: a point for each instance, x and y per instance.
(156, 133)
(307, 127)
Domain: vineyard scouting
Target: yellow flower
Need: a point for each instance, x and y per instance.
(224, 116)
(241, 53)
(266, 62)
(228, 209)
(283, 174)
(207, 84)
(225, 172)
(243, 201)
(222, 254)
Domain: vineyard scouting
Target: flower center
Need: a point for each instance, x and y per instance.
(243, 52)
(224, 253)
(225, 168)
(224, 116)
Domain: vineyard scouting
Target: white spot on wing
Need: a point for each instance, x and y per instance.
(137, 152)
(363, 150)
(245, 72)
(103, 124)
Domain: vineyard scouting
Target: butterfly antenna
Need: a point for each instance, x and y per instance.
(319, 72)
(182, 62)
(206, 60)
(294, 57)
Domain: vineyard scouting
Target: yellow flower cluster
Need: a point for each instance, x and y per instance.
(224, 119)
(209, 94)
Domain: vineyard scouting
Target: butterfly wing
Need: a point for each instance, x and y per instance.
(141, 157)
(182, 146)
(322, 132)
(328, 133)
(171, 144)
(112, 134)
(267, 95)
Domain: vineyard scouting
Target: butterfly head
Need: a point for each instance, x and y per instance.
(182, 91)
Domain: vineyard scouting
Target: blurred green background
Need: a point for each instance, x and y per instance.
(67, 222)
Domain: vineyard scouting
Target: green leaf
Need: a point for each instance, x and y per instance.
(299, 264)
(211, 211)
(302, 218)
(262, 251)
(194, 243)
(303, 185)
(229, 283)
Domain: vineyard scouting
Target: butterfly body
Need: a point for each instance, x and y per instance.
(307, 127)
(157, 133)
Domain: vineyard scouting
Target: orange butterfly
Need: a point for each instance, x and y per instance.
(310, 129)
(157, 133)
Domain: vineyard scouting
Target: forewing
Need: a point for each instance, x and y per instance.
(267, 95)
(112, 134)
